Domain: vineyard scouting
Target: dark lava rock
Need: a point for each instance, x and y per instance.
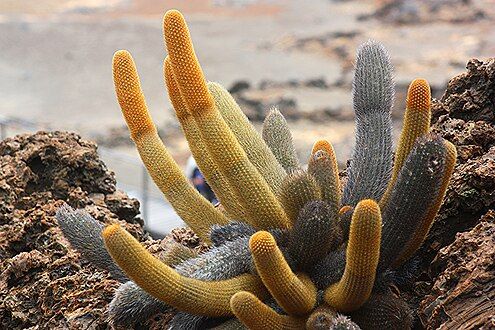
(44, 283)
(464, 116)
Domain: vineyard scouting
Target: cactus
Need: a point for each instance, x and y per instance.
(363, 252)
(293, 248)
(278, 137)
(298, 189)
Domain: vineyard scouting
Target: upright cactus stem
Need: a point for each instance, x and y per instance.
(193, 208)
(277, 135)
(363, 252)
(217, 181)
(263, 209)
(416, 124)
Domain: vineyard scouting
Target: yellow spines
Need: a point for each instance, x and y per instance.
(261, 206)
(323, 167)
(416, 124)
(130, 95)
(164, 283)
(298, 189)
(255, 315)
(426, 222)
(193, 208)
(296, 295)
(362, 255)
(251, 141)
(210, 170)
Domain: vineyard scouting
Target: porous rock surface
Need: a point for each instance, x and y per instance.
(44, 283)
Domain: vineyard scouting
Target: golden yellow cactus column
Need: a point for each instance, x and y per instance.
(164, 283)
(193, 208)
(254, 314)
(362, 255)
(263, 209)
(296, 295)
(210, 170)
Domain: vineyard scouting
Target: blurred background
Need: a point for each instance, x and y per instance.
(55, 66)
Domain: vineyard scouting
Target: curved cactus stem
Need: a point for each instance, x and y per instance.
(261, 206)
(296, 295)
(298, 189)
(164, 283)
(314, 234)
(253, 313)
(363, 252)
(426, 222)
(257, 151)
(278, 137)
(217, 181)
(416, 124)
(193, 208)
(414, 193)
(323, 167)
(373, 94)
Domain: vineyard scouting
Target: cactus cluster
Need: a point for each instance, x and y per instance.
(290, 248)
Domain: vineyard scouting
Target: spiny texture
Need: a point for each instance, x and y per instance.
(277, 135)
(426, 221)
(217, 181)
(383, 311)
(193, 208)
(131, 304)
(164, 283)
(258, 316)
(84, 234)
(315, 233)
(286, 243)
(257, 150)
(298, 189)
(323, 167)
(373, 94)
(263, 209)
(415, 191)
(295, 295)
(363, 252)
(416, 124)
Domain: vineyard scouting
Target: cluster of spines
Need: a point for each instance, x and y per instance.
(317, 237)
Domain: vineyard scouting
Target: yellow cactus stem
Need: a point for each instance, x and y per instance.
(210, 170)
(255, 315)
(416, 124)
(298, 189)
(296, 295)
(425, 223)
(323, 167)
(164, 283)
(257, 151)
(363, 252)
(261, 206)
(193, 208)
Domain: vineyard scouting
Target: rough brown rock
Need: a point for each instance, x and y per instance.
(43, 281)
(463, 293)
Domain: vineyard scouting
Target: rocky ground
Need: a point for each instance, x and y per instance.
(45, 284)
